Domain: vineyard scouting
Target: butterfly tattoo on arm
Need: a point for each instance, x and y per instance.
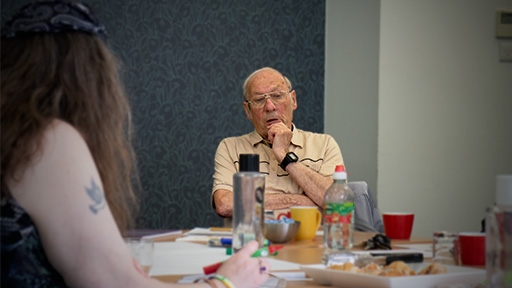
(97, 196)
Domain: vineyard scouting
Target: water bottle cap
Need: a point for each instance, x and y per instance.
(339, 173)
(340, 168)
(504, 189)
(249, 163)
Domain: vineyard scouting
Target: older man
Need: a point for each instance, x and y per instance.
(298, 164)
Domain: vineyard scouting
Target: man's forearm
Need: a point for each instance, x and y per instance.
(284, 201)
(223, 200)
(313, 183)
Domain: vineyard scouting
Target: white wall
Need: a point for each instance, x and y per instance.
(443, 104)
(445, 111)
(351, 84)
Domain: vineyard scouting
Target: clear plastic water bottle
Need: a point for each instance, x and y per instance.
(248, 202)
(498, 242)
(339, 213)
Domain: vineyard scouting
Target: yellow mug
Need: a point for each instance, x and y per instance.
(309, 218)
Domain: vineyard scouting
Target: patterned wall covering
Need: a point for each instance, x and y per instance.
(184, 62)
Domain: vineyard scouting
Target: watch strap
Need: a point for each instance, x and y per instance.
(289, 158)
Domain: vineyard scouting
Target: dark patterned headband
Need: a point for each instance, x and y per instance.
(53, 17)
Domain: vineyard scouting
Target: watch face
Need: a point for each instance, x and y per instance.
(293, 157)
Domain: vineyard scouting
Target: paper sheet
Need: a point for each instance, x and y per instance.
(154, 236)
(176, 258)
(208, 232)
(194, 238)
(291, 276)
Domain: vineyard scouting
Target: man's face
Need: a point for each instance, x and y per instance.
(263, 83)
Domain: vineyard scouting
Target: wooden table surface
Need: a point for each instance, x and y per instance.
(304, 253)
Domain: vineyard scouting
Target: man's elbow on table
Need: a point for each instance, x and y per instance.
(223, 200)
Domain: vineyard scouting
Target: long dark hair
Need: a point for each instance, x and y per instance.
(74, 77)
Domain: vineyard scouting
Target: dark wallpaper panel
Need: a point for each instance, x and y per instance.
(184, 63)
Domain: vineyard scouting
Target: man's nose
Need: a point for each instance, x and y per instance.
(269, 105)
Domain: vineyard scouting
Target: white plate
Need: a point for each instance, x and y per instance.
(338, 278)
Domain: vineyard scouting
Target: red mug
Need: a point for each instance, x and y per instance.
(398, 225)
(472, 248)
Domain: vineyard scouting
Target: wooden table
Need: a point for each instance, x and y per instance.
(304, 253)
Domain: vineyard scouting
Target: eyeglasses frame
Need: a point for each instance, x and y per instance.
(268, 96)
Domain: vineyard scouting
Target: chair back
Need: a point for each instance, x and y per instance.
(368, 217)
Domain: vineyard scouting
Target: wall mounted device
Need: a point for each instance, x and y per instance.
(504, 34)
(503, 24)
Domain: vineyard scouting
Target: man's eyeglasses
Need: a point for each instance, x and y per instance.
(277, 97)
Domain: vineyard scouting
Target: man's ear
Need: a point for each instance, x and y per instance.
(247, 111)
(293, 100)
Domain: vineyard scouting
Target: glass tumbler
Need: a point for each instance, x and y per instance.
(445, 248)
(142, 250)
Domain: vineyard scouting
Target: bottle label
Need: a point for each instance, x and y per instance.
(339, 212)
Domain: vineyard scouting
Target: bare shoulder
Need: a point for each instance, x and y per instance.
(63, 147)
(59, 130)
(60, 125)
(61, 159)
(61, 142)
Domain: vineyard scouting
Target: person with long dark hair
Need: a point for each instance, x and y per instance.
(67, 161)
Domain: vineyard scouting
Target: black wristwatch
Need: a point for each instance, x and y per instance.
(289, 158)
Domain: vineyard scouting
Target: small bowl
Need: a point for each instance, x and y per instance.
(281, 232)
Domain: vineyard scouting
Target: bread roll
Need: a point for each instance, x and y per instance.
(397, 268)
(433, 268)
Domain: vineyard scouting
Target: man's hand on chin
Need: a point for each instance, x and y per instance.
(280, 136)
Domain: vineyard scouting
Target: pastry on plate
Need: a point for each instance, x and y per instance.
(348, 267)
(397, 268)
(433, 268)
(372, 269)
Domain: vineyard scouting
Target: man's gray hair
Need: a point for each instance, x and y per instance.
(246, 82)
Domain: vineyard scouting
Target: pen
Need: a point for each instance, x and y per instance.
(229, 242)
(262, 252)
(226, 241)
